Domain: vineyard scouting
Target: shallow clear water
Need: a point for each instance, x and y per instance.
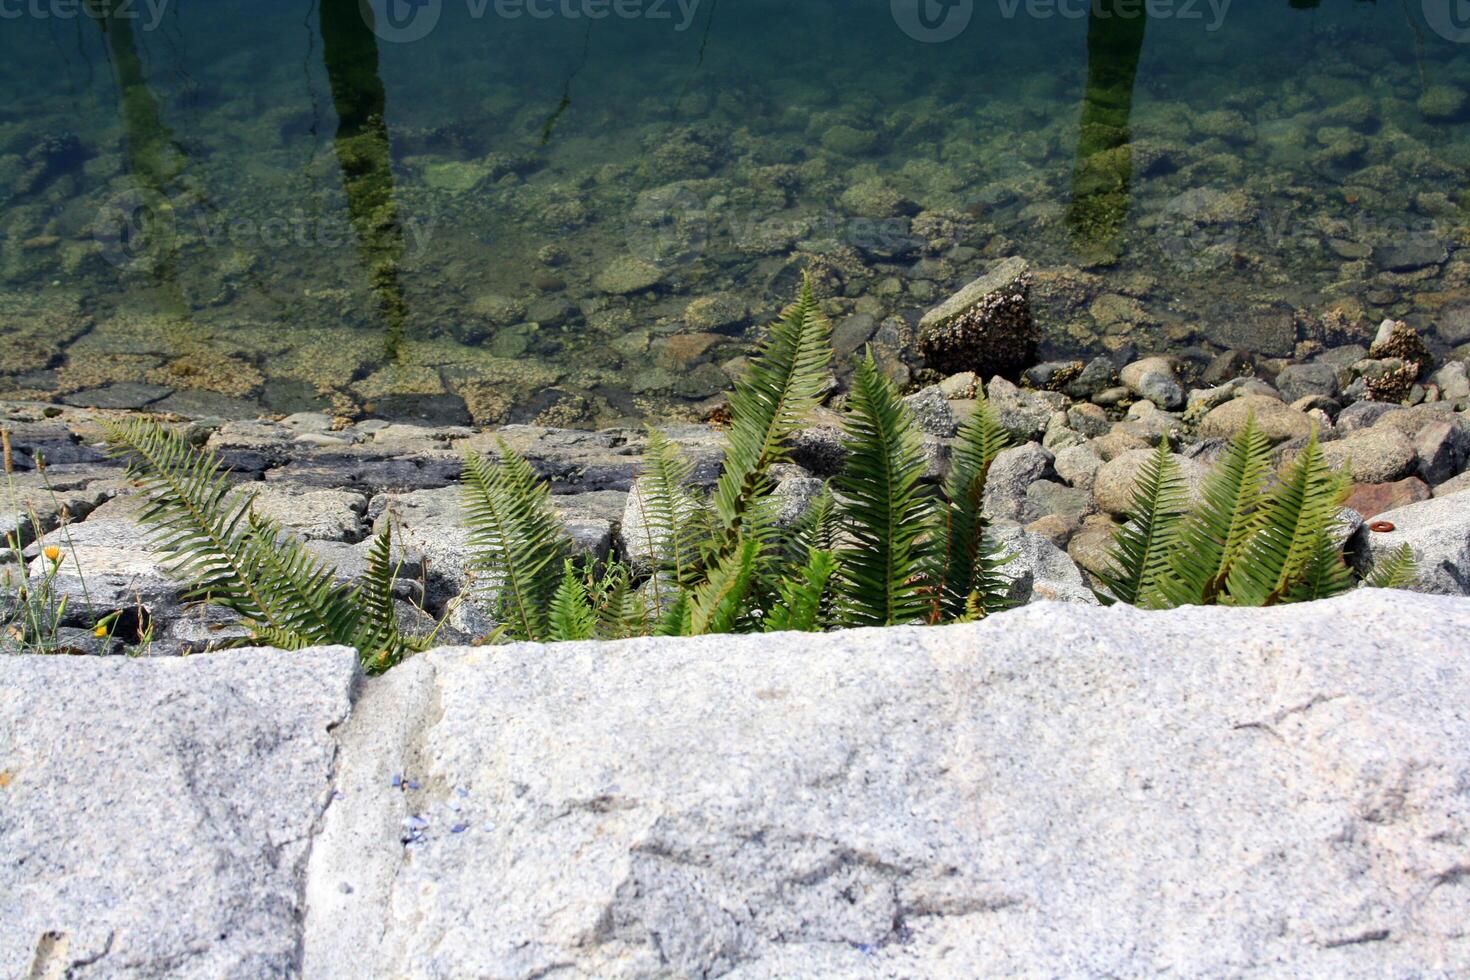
(578, 220)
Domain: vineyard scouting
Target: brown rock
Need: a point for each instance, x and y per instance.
(1277, 420)
(1372, 499)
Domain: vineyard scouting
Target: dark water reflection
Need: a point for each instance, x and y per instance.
(468, 210)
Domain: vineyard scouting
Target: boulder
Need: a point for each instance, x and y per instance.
(1277, 421)
(159, 813)
(1039, 570)
(986, 327)
(1153, 378)
(1055, 790)
(1298, 381)
(1372, 499)
(1011, 474)
(932, 412)
(1377, 455)
(1437, 532)
(1022, 413)
(1117, 479)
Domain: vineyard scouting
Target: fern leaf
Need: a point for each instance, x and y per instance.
(800, 597)
(674, 519)
(517, 540)
(1325, 575)
(229, 556)
(718, 604)
(1288, 528)
(887, 515)
(192, 517)
(571, 616)
(785, 381)
(1216, 531)
(676, 619)
(971, 557)
(1397, 571)
(377, 629)
(1140, 550)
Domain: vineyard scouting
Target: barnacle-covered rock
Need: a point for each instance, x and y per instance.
(986, 327)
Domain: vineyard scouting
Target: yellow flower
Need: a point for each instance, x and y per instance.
(52, 553)
(100, 631)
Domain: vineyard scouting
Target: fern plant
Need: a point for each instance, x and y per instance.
(1247, 542)
(231, 556)
(888, 515)
(517, 540)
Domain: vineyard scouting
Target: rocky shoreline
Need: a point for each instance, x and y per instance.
(1081, 432)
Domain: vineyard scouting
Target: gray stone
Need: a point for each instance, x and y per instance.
(1012, 472)
(1277, 421)
(320, 514)
(1438, 533)
(1024, 414)
(1078, 466)
(1377, 455)
(1298, 381)
(159, 814)
(1363, 415)
(1153, 378)
(1117, 479)
(106, 565)
(1056, 791)
(932, 412)
(1040, 571)
(644, 538)
(1045, 498)
(1455, 485)
(1453, 326)
(793, 497)
(1407, 253)
(1442, 448)
(1453, 380)
(29, 509)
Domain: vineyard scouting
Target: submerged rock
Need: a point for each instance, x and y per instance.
(986, 327)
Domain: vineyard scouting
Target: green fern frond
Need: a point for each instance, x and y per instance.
(676, 618)
(621, 609)
(1325, 575)
(971, 557)
(571, 616)
(1289, 526)
(378, 625)
(787, 375)
(719, 603)
(1139, 555)
(888, 516)
(517, 541)
(1397, 571)
(674, 519)
(232, 557)
(1218, 528)
(800, 597)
